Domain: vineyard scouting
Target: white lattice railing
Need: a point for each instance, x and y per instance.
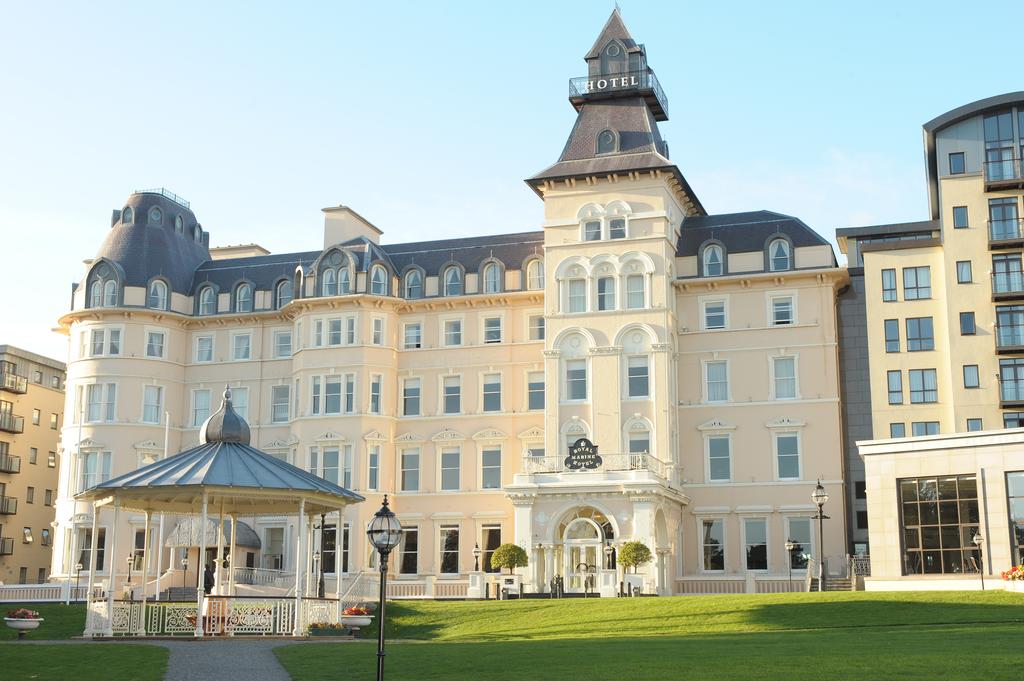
(42, 593)
(264, 577)
(171, 619)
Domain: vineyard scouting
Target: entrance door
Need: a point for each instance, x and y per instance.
(581, 565)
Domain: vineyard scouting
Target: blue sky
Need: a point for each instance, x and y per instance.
(425, 117)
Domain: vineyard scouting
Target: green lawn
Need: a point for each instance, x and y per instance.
(61, 621)
(841, 636)
(98, 662)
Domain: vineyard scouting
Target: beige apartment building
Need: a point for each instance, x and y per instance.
(942, 307)
(31, 416)
(472, 379)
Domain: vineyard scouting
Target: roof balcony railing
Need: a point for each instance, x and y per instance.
(166, 193)
(8, 506)
(6, 546)
(628, 461)
(10, 464)
(9, 423)
(13, 383)
(642, 82)
(1003, 170)
(1005, 232)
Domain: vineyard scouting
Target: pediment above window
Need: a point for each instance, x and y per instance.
(448, 436)
(331, 436)
(375, 436)
(409, 437)
(785, 422)
(716, 424)
(535, 433)
(489, 434)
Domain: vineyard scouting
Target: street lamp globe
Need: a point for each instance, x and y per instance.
(819, 496)
(384, 530)
(790, 546)
(978, 540)
(78, 567)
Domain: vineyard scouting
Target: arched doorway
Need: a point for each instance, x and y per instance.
(583, 534)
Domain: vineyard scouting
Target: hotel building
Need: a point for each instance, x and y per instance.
(697, 352)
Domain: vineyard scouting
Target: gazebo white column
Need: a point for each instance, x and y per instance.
(218, 575)
(231, 556)
(160, 555)
(112, 562)
(311, 574)
(145, 574)
(93, 550)
(201, 569)
(339, 545)
(300, 535)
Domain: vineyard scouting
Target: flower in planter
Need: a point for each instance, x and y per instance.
(1014, 574)
(325, 625)
(23, 614)
(356, 610)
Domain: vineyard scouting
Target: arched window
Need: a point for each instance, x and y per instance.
(492, 278)
(413, 285)
(535, 275)
(378, 281)
(778, 255)
(109, 293)
(197, 235)
(158, 295)
(283, 293)
(207, 301)
(96, 294)
(453, 281)
(713, 263)
(156, 216)
(126, 215)
(607, 142)
(243, 298)
(328, 285)
(344, 281)
(179, 224)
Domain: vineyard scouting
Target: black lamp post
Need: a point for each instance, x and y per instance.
(476, 558)
(130, 560)
(819, 496)
(384, 533)
(184, 574)
(978, 541)
(790, 547)
(78, 577)
(320, 563)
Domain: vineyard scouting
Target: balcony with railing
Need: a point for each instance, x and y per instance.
(166, 193)
(6, 546)
(1007, 285)
(1004, 174)
(1006, 233)
(10, 423)
(642, 83)
(10, 464)
(8, 505)
(13, 383)
(1011, 392)
(630, 462)
(1009, 337)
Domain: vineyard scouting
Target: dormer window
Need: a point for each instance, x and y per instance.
(535, 275)
(713, 260)
(413, 285)
(207, 301)
(492, 278)
(197, 235)
(607, 142)
(109, 293)
(179, 224)
(453, 281)
(778, 255)
(243, 298)
(378, 281)
(127, 215)
(283, 293)
(156, 216)
(157, 295)
(329, 285)
(344, 281)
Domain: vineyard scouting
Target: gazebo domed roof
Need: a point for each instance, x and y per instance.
(225, 425)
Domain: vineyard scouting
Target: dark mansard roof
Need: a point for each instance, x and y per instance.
(744, 232)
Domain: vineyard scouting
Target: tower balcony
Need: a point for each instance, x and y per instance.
(1004, 174)
(1011, 393)
(1005, 233)
(9, 423)
(626, 84)
(1009, 338)
(13, 383)
(1007, 285)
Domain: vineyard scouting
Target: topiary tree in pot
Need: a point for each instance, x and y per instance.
(509, 556)
(633, 554)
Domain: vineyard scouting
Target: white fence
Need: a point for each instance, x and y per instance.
(43, 593)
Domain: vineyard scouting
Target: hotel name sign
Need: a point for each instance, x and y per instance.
(598, 84)
(583, 456)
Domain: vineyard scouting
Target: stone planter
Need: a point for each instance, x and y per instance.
(22, 625)
(356, 622)
(1015, 585)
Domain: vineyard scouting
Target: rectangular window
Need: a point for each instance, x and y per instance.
(372, 467)
(53, 421)
(350, 330)
(800, 534)
(200, 406)
(47, 497)
(95, 468)
(713, 541)
(787, 449)
(378, 331)
(535, 390)
(617, 228)
(921, 428)
(897, 430)
(492, 392)
(967, 326)
(413, 336)
(30, 495)
(155, 344)
(892, 335)
(963, 272)
(782, 311)
(350, 393)
(938, 520)
(606, 293)
(490, 477)
(451, 469)
(204, 349)
(971, 378)
(862, 520)
(1002, 219)
(279, 397)
(889, 286)
(100, 399)
(152, 403)
(334, 332)
(638, 374)
(316, 395)
(411, 397)
(592, 230)
(576, 379)
(332, 394)
(36, 415)
(453, 332)
(346, 467)
(491, 541)
(452, 394)
(240, 400)
(536, 324)
(974, 425)
(85, 553)
(923, 386)
(895, 381)
(375, 380)
(957, 164)
(411, 470)
(577, 295)
(920, 334)
(409, 553)
(755, 535)
(33, 454)
(719, 466)
(917, 283)
(282, 344)
(784, 370)
(51, 459)
(635, 291)
(960, 217)
(241, 347)
(449, 543)
(714, 315)
(1006, 273)
(860, 489)
(716, 378)
(492, 330)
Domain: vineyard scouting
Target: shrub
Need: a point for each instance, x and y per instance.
(633, 554)
(509, 556)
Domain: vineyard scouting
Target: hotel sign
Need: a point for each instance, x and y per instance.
(598, 84)
(583, 456)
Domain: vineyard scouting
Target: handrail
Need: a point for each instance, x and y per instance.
(10, 463)
(643, 79)
(11, 423)
(1003, 169)
(8, 505)
(1005, 229)
(165, 193)
(628, 461)
(1008, 282)
(13, 382)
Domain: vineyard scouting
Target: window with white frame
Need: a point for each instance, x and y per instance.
(492, 329)
(490, 462)
(592, 230)
(325, 462)
(492, 278)
(606, 293)
(155, 344)
(638, 376)
(204, 348)
(719, 458)
(412, 336)
(714, 314)
(152, 403)
(535, 275)
(207, 301)
(713, 544)
(349, 405)
(240, 401)
(577, 298)
(492, 392)
(243, 298)
(413, 284)
(639, 439)
(576, 379)
(279, 398)
(716, 381)
(282, 344)
(378, 331)
(535, 390)
(326, 395)
(410, 470)
(408, 551)
(713, 261)
(635, 291)
(617, 228)
(449, 543)
(346, 466)
(779, 256)
(798, 530)
(200, 406)
(451, 469)
(157, 299)
(99, 401)
(283, 293)
(755, 543)
(241, 346)
(95, 468)
(411, 397)
(378, 281)
(782, 311)
(536, 327)
(787, 453)
(452, 394)
(350, 330)
(375, 381)
(372, 467)
(784, 374)
(452, 281)
(104, 342)
(452, 332)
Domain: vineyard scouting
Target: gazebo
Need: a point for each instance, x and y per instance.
(222, 477)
